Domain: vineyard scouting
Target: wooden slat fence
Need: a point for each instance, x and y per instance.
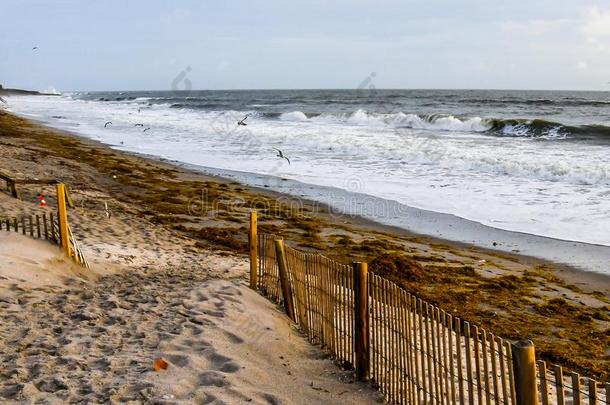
(569, 388)
(418, 353)
(36, 226)
(43, 227)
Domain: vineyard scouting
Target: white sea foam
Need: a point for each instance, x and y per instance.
(442, 163)
(51, 90)
(293, 116)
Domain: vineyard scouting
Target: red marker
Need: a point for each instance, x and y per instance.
(43, 203)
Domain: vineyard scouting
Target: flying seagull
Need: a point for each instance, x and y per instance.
(146, 129)
(280, 154)
(139, 125)
(34, 48)
(107, 123)
(242, 121)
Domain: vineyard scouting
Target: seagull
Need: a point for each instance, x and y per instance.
(146, 129)
(242, 121)
(34, 48)
(108, 123)
(139, 125)
(280, 154)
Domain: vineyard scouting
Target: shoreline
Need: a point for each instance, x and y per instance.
(473, 282)
(446, 228)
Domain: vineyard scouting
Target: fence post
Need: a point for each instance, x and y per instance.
(253, 243)
(361, 320)
(282, 266)
(62, 216)
(524, 370)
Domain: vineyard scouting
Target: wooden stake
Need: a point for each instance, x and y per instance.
(282, 266)
(593, 392)
(576, 400)
(524, 369)
(63, 218)
(253, 242)
(361, 320)
(38, 226)
(559, 385)
(544, 386)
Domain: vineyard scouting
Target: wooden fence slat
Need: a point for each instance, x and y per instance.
(434, 344)
(576, 398)
(52, 224)
(458, 336)
(430, 370)
(406, 341)
(420, 309)
(559, 385)
(392, 341)
(439, 363)
(416, 349)
(485, 359)
(592, 392)
(477, 363)
(503, 365)
(511, 376)
(469, 376)
(386, 340)
(494, 367)
(544, 388)
(453, 397)
(445, 364)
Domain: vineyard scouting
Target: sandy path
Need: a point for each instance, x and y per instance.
(68, 338)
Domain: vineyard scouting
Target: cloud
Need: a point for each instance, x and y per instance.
(596, 24)
(534, 27)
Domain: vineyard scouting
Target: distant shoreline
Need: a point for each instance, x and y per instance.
(21, 92)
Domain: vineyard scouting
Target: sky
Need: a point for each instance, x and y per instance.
(269, 44)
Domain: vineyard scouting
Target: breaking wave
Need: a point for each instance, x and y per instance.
(535, 128)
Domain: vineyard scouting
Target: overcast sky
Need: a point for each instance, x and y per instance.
(137, 45)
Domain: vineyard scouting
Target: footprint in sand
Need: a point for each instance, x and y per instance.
(212, 379)
(178, 360)
(222, 363)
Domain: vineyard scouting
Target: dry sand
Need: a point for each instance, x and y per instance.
(71, 335)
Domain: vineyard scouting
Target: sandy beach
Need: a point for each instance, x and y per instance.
(168, 280)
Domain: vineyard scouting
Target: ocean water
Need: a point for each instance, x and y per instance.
(529, 161)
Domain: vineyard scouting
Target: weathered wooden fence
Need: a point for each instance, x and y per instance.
(36, 226)
(413, 351)
(45, 227)
(55, 229)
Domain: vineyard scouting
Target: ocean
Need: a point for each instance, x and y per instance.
(536, 162)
